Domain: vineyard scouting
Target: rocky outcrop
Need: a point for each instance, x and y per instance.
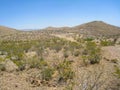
(10, 66)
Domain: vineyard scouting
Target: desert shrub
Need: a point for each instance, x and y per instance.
(66, 48)
(117, 72)
(40, 51)
(56, 45)
(88, 39)
(36, 63)
(114, 61)
(85, 60)
(65, 71)
(91, 53)
(2, 67)
(79, 40)
(68, 87)
(74, 45)
(76, 53)
(14, 48)
(107, 43)
(42, 63)
(57, 48)
(2, 60)
(66, 55)
(21, 64)
(92, 79)
(114, 84)
(47, 73)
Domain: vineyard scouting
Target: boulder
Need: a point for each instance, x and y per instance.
(10, 66)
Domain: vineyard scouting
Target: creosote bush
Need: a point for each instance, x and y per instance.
(89, 39)
(117, 72)
(66, 55)
(76, 53)
(107, 43)
(36, 63)
(65, 71)
(91, 53)
(114, 61)
(47, 73)
(20, 64)
(2, 67)
(2, 60)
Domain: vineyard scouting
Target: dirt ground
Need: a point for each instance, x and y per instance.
(18, 80)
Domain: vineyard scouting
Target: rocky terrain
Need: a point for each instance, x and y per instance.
(84, 57)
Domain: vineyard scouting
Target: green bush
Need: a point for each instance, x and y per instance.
(68, 87)
(66, 55)
(76, 53)
(114, 61)
(47, 73)
(107, 43)
(65, 71)
(2, 60)
(88, 39)
(117, 72)
(2, 67)
(20, 64)
(36, 63)
(85, 60)
(91, 53)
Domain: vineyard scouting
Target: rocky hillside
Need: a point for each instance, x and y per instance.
(91, 29)
(98, 28)
(60, 59)
(6, 30)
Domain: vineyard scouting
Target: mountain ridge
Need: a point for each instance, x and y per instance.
(90, 29)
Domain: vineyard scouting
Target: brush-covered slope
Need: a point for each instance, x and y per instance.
(6, 31)
(91, 29)
(97, 28)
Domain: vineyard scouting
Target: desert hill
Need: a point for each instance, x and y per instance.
(90, 29)
(61, 58)
(97, 28)
(6, 30)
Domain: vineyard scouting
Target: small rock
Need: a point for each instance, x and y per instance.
(14, 58)
(10, 66)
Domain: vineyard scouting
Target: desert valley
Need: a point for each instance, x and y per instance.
(84, 57)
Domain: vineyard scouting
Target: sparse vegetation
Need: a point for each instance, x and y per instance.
(117, 71)
(107, 43)
(36, 63)
(91, 53)
(114, 61)
(88, 39)
(20, 64)
(65, 71)
(58, 58)
(66, 55)
(2, 67)
(76, 53)
(47, 73)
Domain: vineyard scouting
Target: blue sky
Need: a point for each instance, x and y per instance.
(34, 14)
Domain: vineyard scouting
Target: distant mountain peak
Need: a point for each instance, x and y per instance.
(97, 22)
